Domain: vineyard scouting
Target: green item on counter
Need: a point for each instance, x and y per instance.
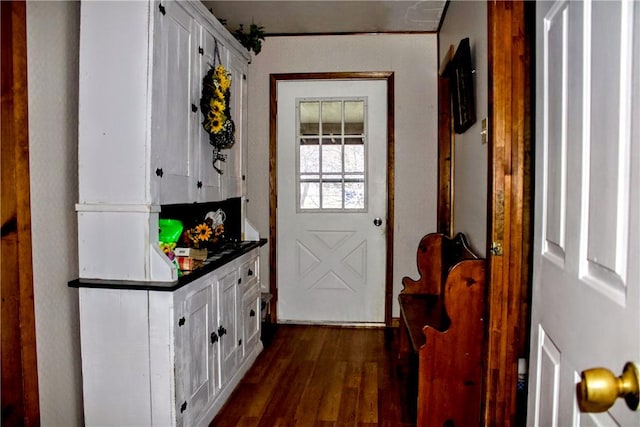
(170, 230)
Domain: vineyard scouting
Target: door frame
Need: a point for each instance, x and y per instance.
(273, 184)
(20, 396)
(509, 205)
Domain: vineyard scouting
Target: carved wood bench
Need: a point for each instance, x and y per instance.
(442, 321)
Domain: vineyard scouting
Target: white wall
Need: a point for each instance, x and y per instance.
(469, 19)
(413, 59)
(52, 60)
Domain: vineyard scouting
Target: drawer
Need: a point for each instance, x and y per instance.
(249, 274)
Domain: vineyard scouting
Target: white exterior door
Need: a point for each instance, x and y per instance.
(586, 279)
(331, 216)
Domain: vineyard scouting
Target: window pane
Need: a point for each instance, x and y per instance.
(332, 118)
(310, 118)
(354, 195)
(331, 195)
(354, 117)
(309, 195)
(353, 158)
(331, 158)
(309, 158)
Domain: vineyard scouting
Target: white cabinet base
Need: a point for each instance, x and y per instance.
(153, 358)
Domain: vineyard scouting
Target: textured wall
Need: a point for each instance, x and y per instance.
(52, 40)
(469, 19)
(413, 58)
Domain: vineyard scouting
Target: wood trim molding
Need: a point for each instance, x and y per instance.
(445, 159)
(273, 184)
(20, 398)
(508, 207)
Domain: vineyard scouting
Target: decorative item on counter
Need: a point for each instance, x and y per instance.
(203, 235)
(168, 234)
(197, 241)
(215, 108)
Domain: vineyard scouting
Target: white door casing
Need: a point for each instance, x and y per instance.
(586, 278)
(331, 264)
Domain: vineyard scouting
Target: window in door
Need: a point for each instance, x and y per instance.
(331, 161)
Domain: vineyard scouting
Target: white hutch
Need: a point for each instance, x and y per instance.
(157, 349)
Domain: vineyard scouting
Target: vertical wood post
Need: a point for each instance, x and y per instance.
(20, 400)
(508, 219)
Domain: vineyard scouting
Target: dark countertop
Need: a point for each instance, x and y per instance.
(214, 262)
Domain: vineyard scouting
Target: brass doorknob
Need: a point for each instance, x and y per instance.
(599, 388)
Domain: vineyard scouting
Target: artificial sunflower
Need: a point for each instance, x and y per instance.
(202, 232)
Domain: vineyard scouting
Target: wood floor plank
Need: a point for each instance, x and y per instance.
(321, 376)
(368, 402)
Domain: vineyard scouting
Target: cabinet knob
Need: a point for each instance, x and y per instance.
(181, 321)
(239, 281)
(199, 184)
(222, 331)
(252, 313)
(239, 342)
(159, 172)
(250, 272)
(183, 407)
(214, 338)
(162, 9)
(194, 108)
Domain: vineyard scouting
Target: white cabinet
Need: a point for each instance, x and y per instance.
(153, 357)
(141, 142)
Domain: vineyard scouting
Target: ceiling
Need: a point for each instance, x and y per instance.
(330, 17)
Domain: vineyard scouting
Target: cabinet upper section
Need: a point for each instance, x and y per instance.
(141, 70)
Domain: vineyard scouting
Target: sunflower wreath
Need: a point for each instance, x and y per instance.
(216, 112)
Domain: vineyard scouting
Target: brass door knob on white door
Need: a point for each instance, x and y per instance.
(599, 388)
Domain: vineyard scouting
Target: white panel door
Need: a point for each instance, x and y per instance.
(332, 151)
(586, 279)
(171, 160)
(209, 183)
(199, 355)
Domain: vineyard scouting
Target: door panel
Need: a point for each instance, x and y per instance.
(331, 256)
(586, 282)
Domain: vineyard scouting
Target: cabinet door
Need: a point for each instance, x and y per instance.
(199, 354)
(209, 182)
(250, 321)
(227, 329)
(235, 173)
(171, 167)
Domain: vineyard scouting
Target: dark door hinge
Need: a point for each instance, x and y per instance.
(162, 9)
(200, 50)
(183, 407)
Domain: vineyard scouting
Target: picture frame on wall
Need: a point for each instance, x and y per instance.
(460, 71)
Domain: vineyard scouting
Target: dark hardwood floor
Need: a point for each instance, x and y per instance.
(323, 376)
